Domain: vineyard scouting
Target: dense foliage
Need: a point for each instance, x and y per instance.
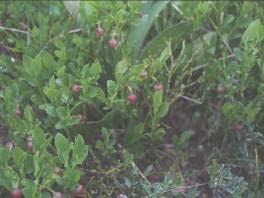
(131, 99)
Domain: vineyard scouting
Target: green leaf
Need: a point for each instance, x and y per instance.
(28, 114)
(5, 155)
(85, 73)
(89, 92)
(158, 134)
(138, 33)
(250, 112)
(231, 111)
(34, 71)
(88, 10)
(254, 33)
(80, 151)
(37, 161)
(111, 88)
(39, 140)
(174, 34)
(61, 54)
(120, 69)
(59, 44)
(211, 73)
(29, 164)
(157, 100)
(52, 93)
(43, 166)
(100, 145)
(62, 124)
(127, 158)
(73, 7)
(8, 177)
(163, 110)
(50, 109)
(107, 145)
(62, 113)
(182, 142)
(71, 177)
(49, 62)
(73, 120)
(63, 148)
(202, 8)
(36, 99)
(31, 190)
(95, 70)
(19, 156)
(105, 135)
(135, 132)
(200, 13)
(165, 54)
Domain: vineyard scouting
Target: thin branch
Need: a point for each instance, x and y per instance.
(62, 34)
(140, 173)
(206, 64)
(220, 35)
(183, 188)
(75, 30)
(191, 99)
(15, 30)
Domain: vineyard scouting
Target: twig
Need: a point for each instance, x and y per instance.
(206, 64)
(62, 34)
(133, 164)
(140, 173)
(199, 67)
(191, 99)
(15, 30)
(224, 41)
(75, 30)
(183, 187)
(113, 170)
